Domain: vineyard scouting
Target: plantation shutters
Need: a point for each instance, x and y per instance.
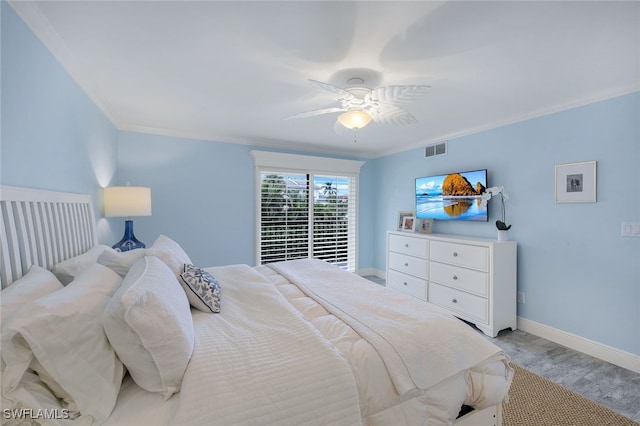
(284, 217)
(309, 212)
(334, 220)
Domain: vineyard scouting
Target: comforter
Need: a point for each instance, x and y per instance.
(464, 368)
(405, 332)
(258, 362)
(275, 355)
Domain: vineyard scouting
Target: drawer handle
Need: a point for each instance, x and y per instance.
(405, 283)
(455, 254)
(406, 264)
(455, 277)
(454, 300)
(406, 245)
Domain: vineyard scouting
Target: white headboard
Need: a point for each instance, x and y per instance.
(42, 228)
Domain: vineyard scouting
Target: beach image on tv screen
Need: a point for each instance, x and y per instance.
(454, 196)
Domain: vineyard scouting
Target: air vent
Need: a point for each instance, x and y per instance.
(436, 149)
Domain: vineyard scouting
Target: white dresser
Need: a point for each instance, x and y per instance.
(473, 278)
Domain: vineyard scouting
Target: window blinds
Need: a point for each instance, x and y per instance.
(284, 217)
(308, 216)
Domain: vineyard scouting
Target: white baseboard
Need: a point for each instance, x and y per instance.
(371, 271)
(598, 350)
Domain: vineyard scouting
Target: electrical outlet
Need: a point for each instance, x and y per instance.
(520, 297)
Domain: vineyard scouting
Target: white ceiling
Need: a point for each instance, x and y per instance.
(230, 71)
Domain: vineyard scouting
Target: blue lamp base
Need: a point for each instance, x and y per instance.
(128, 241)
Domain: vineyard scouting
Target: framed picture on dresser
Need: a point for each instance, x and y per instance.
(401, 215)
(409, 223)
(424, 226)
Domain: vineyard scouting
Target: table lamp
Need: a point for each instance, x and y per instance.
(127, 201)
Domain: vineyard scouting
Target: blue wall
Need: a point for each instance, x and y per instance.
(53, 136)
(576, 270)
(203, 195)
(579, 275)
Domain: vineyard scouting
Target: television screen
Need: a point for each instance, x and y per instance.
(453, 196)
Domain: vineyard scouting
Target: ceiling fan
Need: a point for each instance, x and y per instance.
(360, 105)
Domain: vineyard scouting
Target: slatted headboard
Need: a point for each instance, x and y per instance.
(42, 228)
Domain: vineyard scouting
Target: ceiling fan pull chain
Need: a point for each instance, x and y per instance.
(355, 134)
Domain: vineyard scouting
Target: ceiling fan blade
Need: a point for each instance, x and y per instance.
(390, 114)
(395, 94)
(336, 92)
(315, 112)
(381, 103)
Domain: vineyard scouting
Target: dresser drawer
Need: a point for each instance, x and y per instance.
(408, 284)
(469, 280)
(469, 256)
(408, 264)
(408, 245)
(473, 307)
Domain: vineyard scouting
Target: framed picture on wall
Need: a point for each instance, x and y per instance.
(401, 215)
(576, 182)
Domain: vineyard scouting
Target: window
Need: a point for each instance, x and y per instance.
(306, 213)
(284, 217)
(334, 220)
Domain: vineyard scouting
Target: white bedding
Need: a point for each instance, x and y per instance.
(258, 362)
(274, 355)
(484, 384)
(407, 333)
(298, 363)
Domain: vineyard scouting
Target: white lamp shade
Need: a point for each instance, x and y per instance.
(355, 119)
(127, 201)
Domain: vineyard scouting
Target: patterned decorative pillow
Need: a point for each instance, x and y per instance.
(203, 291)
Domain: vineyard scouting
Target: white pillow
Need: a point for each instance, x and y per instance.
(36, 283)
(164, 248)
(120, 262)
(62, 333)
(148, 322)
(67, 270)
(170, 252)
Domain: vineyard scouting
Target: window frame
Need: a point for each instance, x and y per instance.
(266, 161)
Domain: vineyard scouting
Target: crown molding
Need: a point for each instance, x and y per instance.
(587, 100)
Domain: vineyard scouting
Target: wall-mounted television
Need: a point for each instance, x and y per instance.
(452, 196)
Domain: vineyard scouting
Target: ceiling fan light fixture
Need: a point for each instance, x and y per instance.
(355, 119)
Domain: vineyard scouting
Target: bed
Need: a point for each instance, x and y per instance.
(93, 336)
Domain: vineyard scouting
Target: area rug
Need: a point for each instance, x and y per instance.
(536, 401)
